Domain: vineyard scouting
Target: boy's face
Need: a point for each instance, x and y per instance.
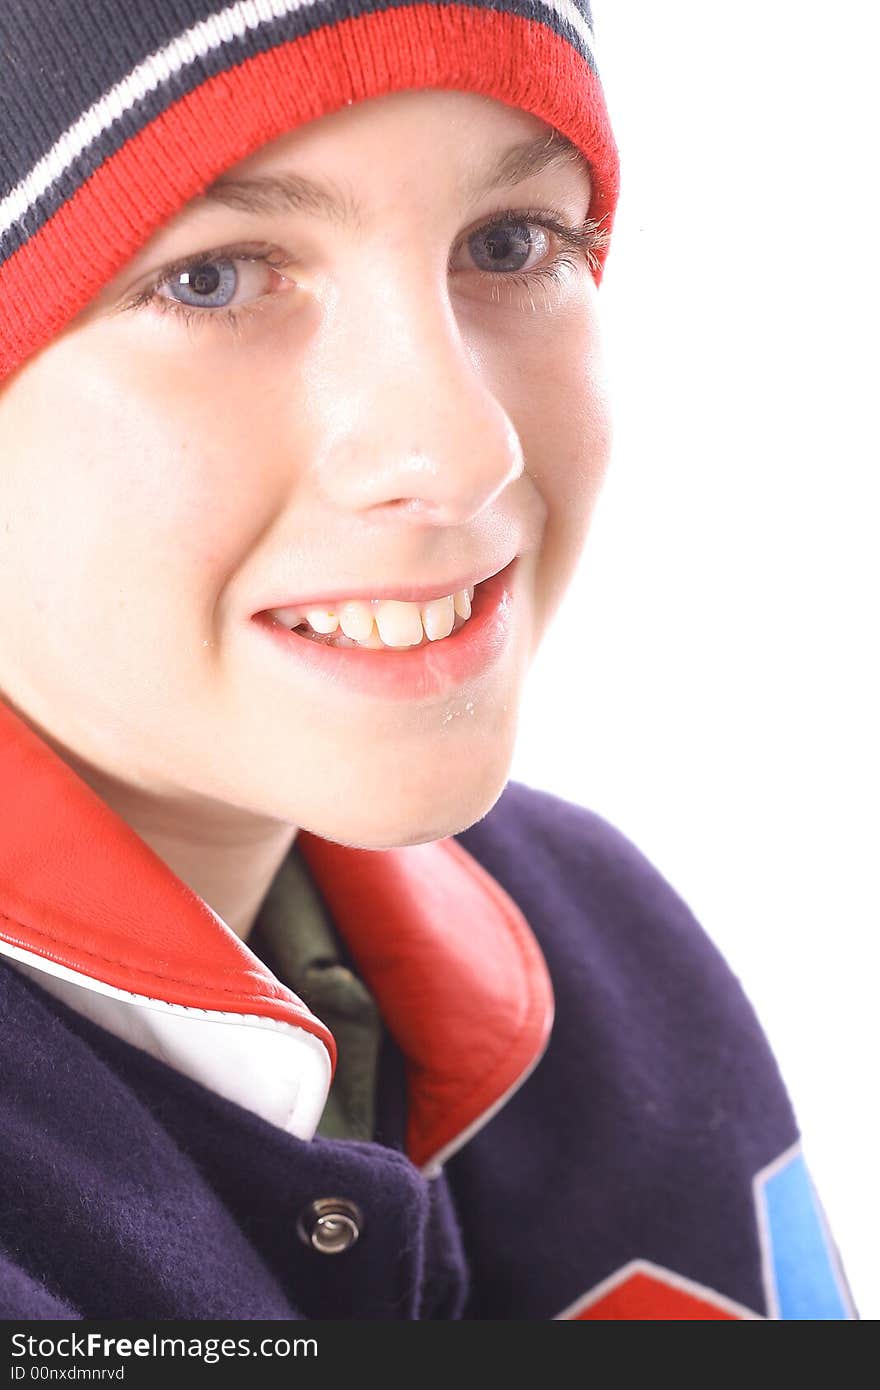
(391, 413)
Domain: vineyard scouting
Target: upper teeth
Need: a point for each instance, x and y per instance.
(399, 624)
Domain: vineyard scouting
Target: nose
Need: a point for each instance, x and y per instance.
(410, 425)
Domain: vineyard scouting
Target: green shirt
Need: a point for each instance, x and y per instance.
(294, 935)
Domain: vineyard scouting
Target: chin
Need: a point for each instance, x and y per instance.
(418, 813)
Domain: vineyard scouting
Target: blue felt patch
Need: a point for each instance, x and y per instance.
(803, 1264)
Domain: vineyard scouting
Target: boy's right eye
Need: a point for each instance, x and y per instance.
(210, 278)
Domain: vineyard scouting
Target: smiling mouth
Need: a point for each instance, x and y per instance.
(414, 669)
(381, 624)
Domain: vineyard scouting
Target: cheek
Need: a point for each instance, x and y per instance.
(564, 421)
(569, 477)
(130, 486)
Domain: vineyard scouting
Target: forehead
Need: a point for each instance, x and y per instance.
(285, 191)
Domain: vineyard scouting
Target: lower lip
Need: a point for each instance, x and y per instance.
(435, 668)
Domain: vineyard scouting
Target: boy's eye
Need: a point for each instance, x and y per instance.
(220, 281)
(490, 247)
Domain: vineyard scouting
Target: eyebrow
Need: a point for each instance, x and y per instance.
(279, 193)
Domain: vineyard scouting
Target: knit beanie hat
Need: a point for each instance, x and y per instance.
(115, 113)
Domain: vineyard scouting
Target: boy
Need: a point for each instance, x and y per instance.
(308, 1012)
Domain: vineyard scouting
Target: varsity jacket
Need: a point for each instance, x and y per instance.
(578, 1115)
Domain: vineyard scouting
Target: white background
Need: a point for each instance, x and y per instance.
(710, 685)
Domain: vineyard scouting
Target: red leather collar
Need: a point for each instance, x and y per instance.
(78, 886)
(456, 971)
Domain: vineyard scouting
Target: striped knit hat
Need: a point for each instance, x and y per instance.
(115, 113)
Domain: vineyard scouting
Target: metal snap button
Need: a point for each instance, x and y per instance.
(330, 1225)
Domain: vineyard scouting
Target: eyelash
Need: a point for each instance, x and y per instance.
(585, 240)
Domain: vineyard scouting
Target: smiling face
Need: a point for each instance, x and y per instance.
(388, 403)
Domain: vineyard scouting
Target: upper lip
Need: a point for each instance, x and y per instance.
(408, 593)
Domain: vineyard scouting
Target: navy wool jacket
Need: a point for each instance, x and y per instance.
(578, 1114)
